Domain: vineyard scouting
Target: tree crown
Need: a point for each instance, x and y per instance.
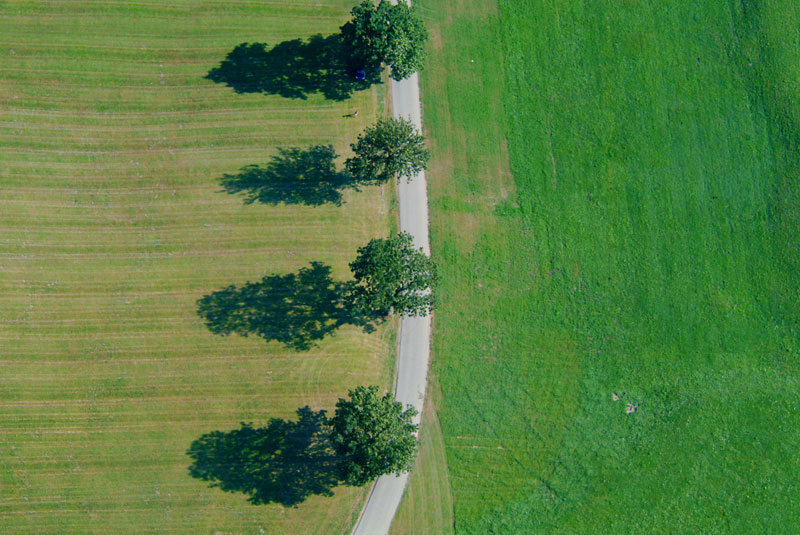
(387, 33)
(373, 435)
(391, 274)
(388, 149)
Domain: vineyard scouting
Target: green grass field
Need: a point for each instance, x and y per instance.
(646, 247)
(113, 223)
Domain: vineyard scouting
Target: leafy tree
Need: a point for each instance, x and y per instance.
(386, 33)
(390, 273)
(373, 435)
(388, 149)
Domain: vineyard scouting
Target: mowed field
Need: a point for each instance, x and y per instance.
(113, 223)
(645, 248)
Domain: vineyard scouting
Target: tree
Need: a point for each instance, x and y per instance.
(386, 33)
(390, 274)
(390, 148)
(373, 435)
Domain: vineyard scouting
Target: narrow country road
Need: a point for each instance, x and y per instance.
(413, 350)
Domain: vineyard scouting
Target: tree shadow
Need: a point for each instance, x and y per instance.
(295, 309)
(294, 69)
(294, 176)
(284, 462)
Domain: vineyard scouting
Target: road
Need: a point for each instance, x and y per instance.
(413, 349)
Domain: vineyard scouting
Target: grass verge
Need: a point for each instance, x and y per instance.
(427, 506)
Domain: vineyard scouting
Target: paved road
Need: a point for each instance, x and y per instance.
(413, 351)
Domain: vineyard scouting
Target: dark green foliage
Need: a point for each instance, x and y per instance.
(391, 148)
(284, 462)
(386, 33)
(391, 274)
(372, 435)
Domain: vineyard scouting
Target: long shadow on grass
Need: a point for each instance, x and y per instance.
(284, 462)
(294, 176)
(296, 309)
(293, 69)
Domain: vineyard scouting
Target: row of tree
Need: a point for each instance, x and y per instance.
(372, 434)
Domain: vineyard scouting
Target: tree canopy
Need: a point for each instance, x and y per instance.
(388, 149)
(391, 274)
(372, 435)
(387, 33)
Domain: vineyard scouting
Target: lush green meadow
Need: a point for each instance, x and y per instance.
(114, 222)
(646, 249)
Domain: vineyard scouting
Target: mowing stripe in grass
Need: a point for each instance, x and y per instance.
(113, 223)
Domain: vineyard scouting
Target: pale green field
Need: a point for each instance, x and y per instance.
(113, 223)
